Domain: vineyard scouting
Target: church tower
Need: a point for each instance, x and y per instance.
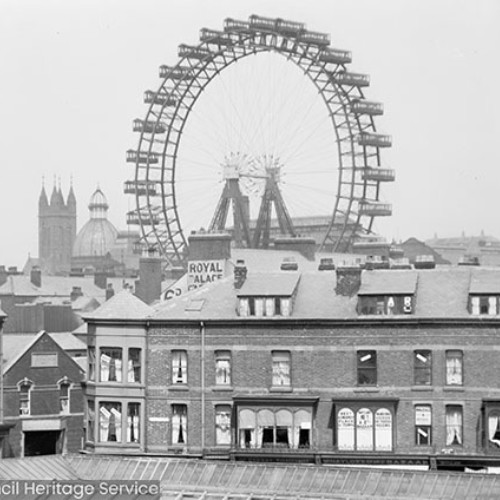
(56, 230)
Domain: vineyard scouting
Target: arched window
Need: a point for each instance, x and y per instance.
(25, 386)
(64, 395)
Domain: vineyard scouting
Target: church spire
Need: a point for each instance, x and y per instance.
(71, 203)
(43, 201)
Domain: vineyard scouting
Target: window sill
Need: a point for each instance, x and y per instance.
(422, 388)
(281, 389)
(222, 388)
(368, 388)
(453, 388)
(178, 387)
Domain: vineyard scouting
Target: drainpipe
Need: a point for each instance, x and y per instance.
(145, 382)
(202, 332)
(1, 373)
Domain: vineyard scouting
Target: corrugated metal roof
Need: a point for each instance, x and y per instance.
(388, 282)
(269, 284)
(485, 281)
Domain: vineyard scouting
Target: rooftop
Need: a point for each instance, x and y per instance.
(212, 480)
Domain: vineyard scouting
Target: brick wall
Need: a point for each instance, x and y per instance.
(323, 360)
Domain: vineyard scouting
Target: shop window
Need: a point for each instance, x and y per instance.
(179, 367)
(110, 422)
(454, 428)
(25, 387)
(364, 429)
(223, 425)
(274, 428)
(90, 420)
(367, 367)
(454, 367)
(111, 364)
(422, 367)
(179, 424)
(133, 422)
(64, 392)
(134, 364)
(223, 367)
(281, 369)
(423, 425)
(91, 363)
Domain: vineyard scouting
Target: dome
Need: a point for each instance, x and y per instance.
(97, 237)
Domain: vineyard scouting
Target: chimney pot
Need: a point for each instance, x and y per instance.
(75, 293)
(240, 274)
(36, 276)
(109, 291)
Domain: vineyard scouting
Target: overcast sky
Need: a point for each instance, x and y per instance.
(73, 76)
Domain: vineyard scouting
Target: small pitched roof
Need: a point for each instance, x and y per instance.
(386, 282)
(123, 305)
(485, 281)
(270, 284)
(15, 345)
(68, 342)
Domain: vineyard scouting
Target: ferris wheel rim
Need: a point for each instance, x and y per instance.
(241, 46)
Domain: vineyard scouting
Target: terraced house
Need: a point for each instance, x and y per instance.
(334, 366)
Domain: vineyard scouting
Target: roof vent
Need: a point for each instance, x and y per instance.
(425, 262)
(326, 264)
(469, 260)
(289, 264)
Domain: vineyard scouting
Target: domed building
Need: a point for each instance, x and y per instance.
(96, 239)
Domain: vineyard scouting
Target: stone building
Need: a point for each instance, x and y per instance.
(56, 230)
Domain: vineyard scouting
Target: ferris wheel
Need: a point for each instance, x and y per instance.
(287, 124)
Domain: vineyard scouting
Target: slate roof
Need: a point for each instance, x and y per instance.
(21, 285)
(68, 341)
(269, 284)
(124, 305)
(485, 281)
(439, 293)
(392, 282)
(15, 344)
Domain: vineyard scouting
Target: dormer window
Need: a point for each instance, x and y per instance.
(484, 293)
(386, 305)
(268, 295)
(484, 305)
(387, 292)
(264, 306)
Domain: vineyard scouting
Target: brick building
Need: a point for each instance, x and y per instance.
(344, 366)
(42, 396)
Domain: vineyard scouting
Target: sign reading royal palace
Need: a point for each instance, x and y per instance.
(201, 272)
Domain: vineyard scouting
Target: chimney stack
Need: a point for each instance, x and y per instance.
(302, 244)
(109, 291)
(3, 275)
(240, 274)
(209, 245)
(148, 287)
(348, 280)
(36, 276)
(100, 279)
(75, 293)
